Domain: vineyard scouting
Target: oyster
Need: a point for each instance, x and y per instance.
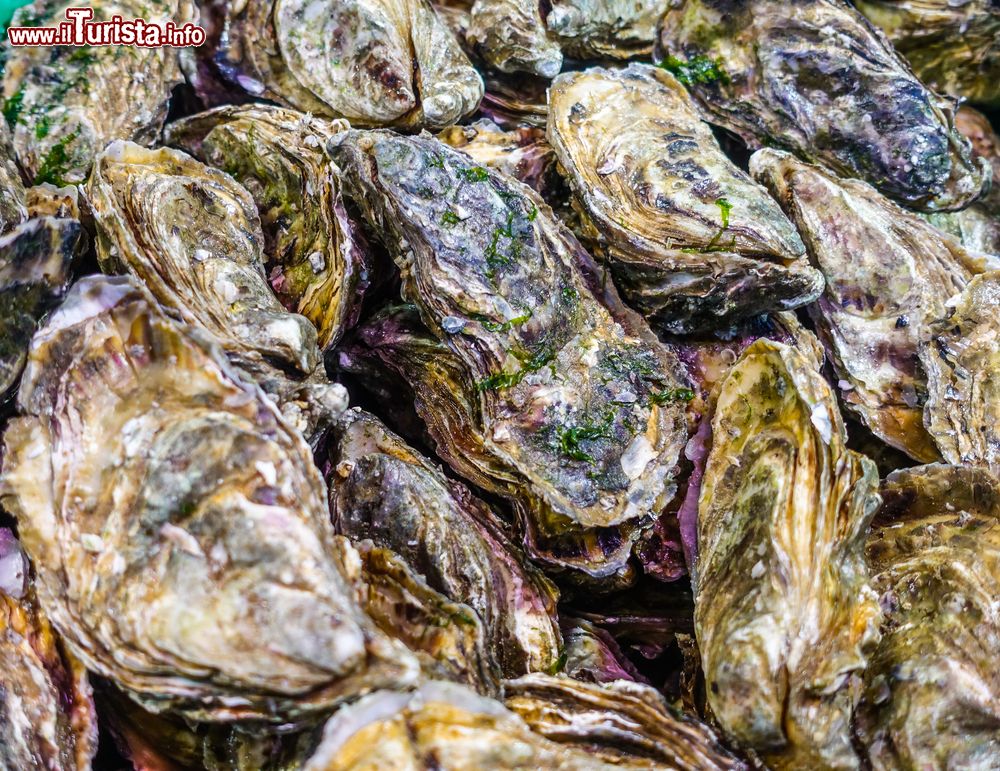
(373, 62)
(192, 235)
(615, 721)
(954, 47)
(47, 200)
(65, 103)
(13, 209)
(519, 36)
(35, 262)
(47, 718)
(565, 405)
(931, 689)
(692, 241)
(314, 264)
(815, 78)
(446, 726)
(961, 356)
(784, 613)
(380, 489)
(178, 524)
(887, 273)
(593, 655)
(522, 152)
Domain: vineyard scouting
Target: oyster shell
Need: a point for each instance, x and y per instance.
(447, 636)
(961, 357)
(615, 721)
(65, 103)
(13, 209)
(593, 655)
(192, 235)
(692, 241)
(313, 262)
(373, 62)
(445, 726)
(815, 78)
(35, 262)
(519, 36)
(47, 718)
(565, 405)
(954, 47)
(178, 525)
(887, 273)
(47, 200)
(522, 153)
(784, 613)
(931, 689)
(382, 490)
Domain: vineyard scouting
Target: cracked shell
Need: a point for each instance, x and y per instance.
(931, 689)
(382, 490)
(692, 241)
(558, 401)
(373, 62)
(784, 613)
(66, 103)
(888, 272)
(814, 77)
(178, 525)
(314, 264)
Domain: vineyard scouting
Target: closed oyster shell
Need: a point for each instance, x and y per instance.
(35, 262)
(692, 241)
(615, 721)
(954, 47)
(47, 200)
(448, 727)
(373, 62)
(446, 636)
(66, 103)
(887, 273)
(531, 37)
(563, 404)
(931, 691)
(178, 525)
(961, 356)
(192, 235)
(815, 78)
(47, 718)
(314, 264)
(382, 490)
(784, 613)
(13, 209)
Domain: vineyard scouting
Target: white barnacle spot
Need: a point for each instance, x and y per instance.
(182, 539)
(267, 472)
(200, 255)
(317, 262)
(92, 542)
(820, 418)
(757, 570)
(637, 456)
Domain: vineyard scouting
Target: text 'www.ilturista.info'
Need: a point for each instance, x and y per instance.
(80, 30)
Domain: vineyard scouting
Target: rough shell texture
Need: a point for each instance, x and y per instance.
(35, 262)
(381, 489)
(47, 718)
(961, 356)
(178, 525)
(565, 405)
(784, 613)
(932, 688)
(615, 721)
(13, 209)
(374, 62)
(887, 273)
(692, 241)
(954, 47)
(314, 263)
(593, 655)
(815, 78)
(192, 235)
(66, 103)
(448, 727)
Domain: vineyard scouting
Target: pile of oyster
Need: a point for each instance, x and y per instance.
(392, 384)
